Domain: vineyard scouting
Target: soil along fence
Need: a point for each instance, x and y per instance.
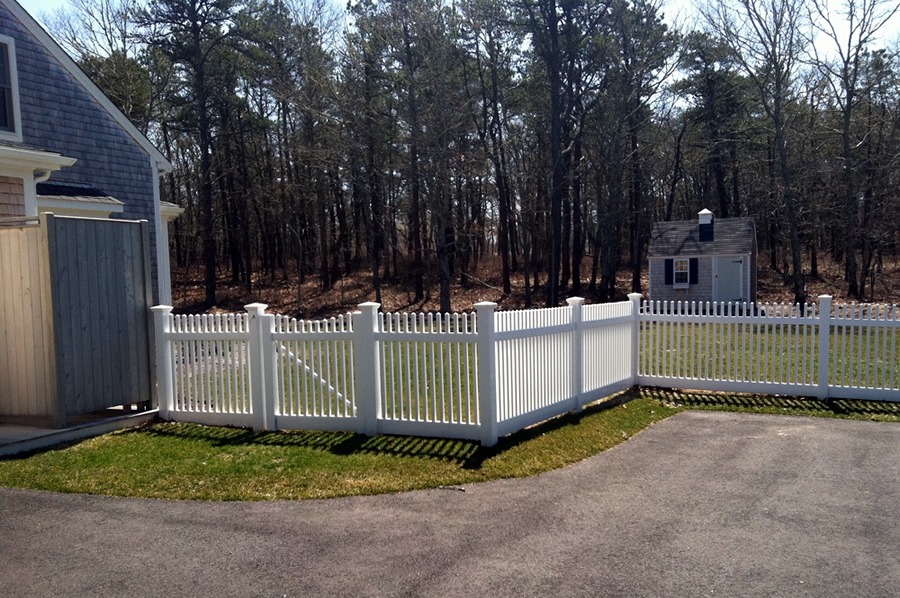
(474, 376)
(486, 374)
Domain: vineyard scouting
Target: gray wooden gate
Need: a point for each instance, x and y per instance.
(102, 294)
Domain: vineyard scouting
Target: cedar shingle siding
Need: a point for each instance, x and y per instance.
(12, 197)
(59, 115)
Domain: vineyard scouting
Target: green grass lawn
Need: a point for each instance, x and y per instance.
(187, 461)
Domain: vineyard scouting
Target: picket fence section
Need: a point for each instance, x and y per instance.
(471, 376)
(210, 358)
(865, 348)
(547, 359)
(429, 375)
(772, 348)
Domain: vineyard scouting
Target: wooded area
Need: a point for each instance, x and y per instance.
(411, 139)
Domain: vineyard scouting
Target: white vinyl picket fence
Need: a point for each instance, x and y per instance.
(806, 350)
(471, 376)
(486, 374)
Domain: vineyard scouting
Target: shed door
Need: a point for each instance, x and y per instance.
(729, 276)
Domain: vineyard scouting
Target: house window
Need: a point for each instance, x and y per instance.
(682, 269)
(10, 121)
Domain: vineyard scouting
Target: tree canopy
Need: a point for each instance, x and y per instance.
(412, 139)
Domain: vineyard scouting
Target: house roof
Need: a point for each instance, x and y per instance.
(730, 236)
(76, 198)
(67, 63)
(54, 190)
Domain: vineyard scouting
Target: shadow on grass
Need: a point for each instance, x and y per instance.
(469, 454)
(773, 403)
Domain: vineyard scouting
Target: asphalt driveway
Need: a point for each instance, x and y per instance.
(702, 504)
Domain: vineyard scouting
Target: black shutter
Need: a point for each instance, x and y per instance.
(670, 271)
(694, 270)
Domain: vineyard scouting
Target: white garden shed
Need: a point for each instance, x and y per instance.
(707, 259)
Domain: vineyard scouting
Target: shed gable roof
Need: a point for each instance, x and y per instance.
(731, 236)
(35, 29)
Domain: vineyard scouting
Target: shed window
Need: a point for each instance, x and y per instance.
(681, 272)
(10, 121)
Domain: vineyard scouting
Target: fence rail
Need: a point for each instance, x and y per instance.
(485, 374)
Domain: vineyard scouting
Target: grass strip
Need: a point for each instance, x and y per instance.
(188, 461)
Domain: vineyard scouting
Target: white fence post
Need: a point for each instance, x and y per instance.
(824, 344)
(165, 382)
(368, 370)
(635, 336)
(258, 375)
(487, 372)
(577, 369)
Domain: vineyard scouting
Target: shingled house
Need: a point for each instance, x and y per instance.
(703, 260)
(65, 148)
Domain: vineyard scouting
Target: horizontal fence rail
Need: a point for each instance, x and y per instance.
(486, 374)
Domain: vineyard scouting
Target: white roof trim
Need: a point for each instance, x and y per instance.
(169, 211)
(79, 207)
(66, 61)
(35, 160)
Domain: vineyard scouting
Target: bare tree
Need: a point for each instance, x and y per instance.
(850, 31)
(769, 37)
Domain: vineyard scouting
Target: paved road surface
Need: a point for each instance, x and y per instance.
(702, 504)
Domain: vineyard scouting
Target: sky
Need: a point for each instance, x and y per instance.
(36, 7)
(673, 9)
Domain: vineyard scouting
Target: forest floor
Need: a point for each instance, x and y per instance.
(280, 292)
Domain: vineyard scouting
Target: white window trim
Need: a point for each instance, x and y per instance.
(15, 135)
(687, 283)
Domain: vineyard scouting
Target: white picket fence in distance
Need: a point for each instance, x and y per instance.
(772, 348)
(468, 375)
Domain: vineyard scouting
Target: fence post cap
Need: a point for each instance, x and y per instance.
(825, 297)
(369, 306)
(162, 308)
(485, 305)
(635, 296)
(257, 308)
(575, 300)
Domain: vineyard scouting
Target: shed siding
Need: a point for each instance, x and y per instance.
(703, 290)
(59, 115)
